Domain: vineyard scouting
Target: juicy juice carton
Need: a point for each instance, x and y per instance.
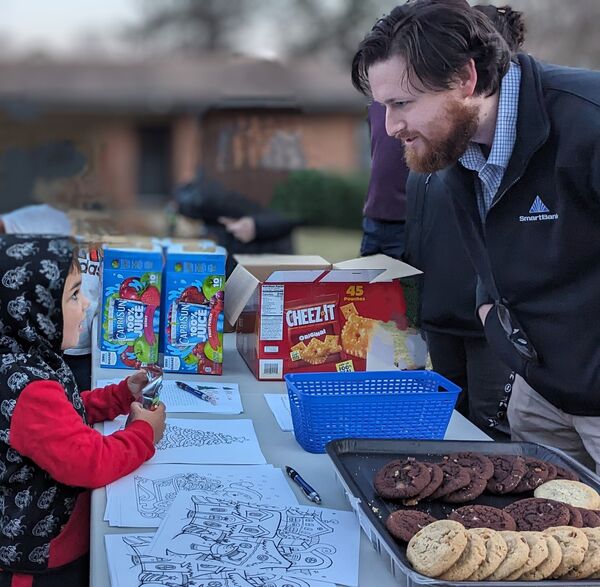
(192, 329)
(130, 311)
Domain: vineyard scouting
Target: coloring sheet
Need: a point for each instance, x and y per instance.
(316, 543)
(280, 406)
(231, 442)
(226, 396)
(141, 499)
(129, 565)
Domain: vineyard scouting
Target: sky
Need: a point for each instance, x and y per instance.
(62, 27)
(61, 24)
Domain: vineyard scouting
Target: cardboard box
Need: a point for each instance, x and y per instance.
(192, 328)
(130, 309)
(302, 314)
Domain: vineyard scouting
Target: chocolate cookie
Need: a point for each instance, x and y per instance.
(437, 476)
(473, 490)
(474, 461)
(589, 518)
(576, 518)
(563, 473)
(404, 524)
(538, 514)
(455, 478)
(508, 472)
(483, 516)
(400, 479)
(537, 473)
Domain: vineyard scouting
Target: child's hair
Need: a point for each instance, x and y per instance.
(75, 266)
(509, 23)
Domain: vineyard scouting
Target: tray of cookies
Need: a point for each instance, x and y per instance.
(468, 512)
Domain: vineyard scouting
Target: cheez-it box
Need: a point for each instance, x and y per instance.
(298, 314)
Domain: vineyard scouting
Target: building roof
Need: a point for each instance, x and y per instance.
(170, 84)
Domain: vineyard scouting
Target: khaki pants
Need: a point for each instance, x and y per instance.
(533, 419)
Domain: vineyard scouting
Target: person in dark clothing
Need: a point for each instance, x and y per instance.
(384, 213)
(515, 145)
(233, 221)
(455, 338)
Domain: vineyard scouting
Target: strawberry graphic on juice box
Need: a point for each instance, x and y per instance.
(192, 329)
(131, 300)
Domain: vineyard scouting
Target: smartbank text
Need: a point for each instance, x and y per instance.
(538, 217)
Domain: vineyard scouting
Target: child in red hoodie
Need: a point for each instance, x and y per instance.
(50, 456)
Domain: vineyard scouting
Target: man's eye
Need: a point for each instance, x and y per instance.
(75, 295)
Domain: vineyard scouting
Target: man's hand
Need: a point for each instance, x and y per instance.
(483, 311)
(156, 418)
(243, 229)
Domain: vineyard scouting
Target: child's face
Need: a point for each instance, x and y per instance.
(74, 305)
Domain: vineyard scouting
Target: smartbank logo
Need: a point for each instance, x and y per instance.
(538, 211)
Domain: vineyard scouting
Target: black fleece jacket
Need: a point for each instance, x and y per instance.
(538, 251)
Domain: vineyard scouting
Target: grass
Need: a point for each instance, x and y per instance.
(334, 244)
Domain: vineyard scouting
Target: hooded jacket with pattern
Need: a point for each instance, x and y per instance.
(537, 253)
(49, 454)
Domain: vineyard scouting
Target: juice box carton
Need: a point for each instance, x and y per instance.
(193, 296)
(130, 310)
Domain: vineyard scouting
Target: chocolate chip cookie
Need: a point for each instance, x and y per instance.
(474, 461)
(538, 472)
(538, 514)
(401, 478)
(508, 472)
(455, 478)
(404, 524)
(483, 516)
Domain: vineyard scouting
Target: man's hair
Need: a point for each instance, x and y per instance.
(508, 22)
(436, 38)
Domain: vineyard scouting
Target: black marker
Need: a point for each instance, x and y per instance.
(306, 488)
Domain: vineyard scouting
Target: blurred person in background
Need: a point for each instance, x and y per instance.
(44, 219)
(233, 221)
(384, 213)
(515, 145)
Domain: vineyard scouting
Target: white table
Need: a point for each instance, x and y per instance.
(280, 448)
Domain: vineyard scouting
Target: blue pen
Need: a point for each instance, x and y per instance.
(203, 396)
(306, 488)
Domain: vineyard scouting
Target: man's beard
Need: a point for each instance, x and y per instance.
(449, 143)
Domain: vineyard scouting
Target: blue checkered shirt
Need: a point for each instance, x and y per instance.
(491, 171)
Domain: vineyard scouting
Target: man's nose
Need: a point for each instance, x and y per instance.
(86, 303)
(394, 122)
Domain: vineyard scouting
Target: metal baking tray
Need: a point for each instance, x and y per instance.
(356, 460)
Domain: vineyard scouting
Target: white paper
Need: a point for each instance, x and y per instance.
(226, 395)
(319, 543)
(130, 565)
(141, 499)
(280, 406)
(227, 442)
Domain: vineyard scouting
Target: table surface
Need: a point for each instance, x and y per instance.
(280, 448)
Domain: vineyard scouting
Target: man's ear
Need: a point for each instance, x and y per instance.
(467, 79)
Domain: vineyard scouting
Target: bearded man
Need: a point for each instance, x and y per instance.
(516, 146)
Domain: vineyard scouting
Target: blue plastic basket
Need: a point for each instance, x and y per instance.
(380, 404)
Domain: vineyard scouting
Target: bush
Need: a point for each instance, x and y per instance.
(318, 198)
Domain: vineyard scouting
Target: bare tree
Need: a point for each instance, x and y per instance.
(560, 32)
(193, 26)
(333, 29)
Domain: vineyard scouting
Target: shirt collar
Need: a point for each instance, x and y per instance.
(506, 126)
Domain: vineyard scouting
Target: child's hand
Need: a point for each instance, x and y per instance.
(156, 418)
(136, 383)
